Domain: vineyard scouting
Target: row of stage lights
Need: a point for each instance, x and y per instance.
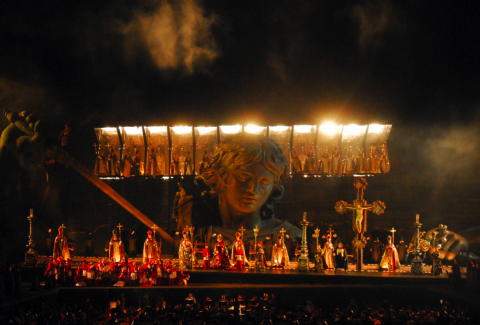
(327, 128)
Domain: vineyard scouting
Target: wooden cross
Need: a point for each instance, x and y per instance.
(63, 226)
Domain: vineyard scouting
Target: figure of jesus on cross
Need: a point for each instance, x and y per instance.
(360, 207)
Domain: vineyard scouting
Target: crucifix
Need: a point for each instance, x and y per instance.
(242, 230)
(62, 227)
(317, 235)
(360, 207)
(119, 227)
(393, 231)
(330, 232)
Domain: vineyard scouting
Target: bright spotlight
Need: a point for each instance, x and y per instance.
(254, 129)
(231, 129)
(133, 130)
(376, 128)
(182, 129)
(203, 130)
(109, 130)
(329, 128)
(157, 129)
(303, 128)
(278, 128)
(353, 130)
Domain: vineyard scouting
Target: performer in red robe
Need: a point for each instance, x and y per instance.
(220, 256)
(206, 258)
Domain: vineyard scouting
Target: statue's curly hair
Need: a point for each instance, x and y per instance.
(244, 151)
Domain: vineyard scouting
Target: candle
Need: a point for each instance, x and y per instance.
(417, 218)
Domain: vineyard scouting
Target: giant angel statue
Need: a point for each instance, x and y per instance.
(239, 186)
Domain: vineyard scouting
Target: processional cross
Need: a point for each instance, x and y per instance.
(330, 232)
(360, 207)
(154, 227)
(119, 226)
(393, 231)
(242, 229)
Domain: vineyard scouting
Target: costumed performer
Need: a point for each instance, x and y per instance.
(238, 253)
(280, 253)
(151, 248)
(220, 256)
(116, 251)
(60, 245)
(390, 260)
(185, 251)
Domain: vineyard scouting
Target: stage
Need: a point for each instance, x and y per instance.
(370, 275)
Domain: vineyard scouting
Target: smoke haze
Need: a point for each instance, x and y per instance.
(177, 35)
(374, 18)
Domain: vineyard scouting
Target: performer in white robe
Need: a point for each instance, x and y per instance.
(280, 253)
(328, 254)
(116, 251)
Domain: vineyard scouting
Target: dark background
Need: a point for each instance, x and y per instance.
(414, 64)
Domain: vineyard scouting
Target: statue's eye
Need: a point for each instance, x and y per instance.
(243, 177)
(265, 181)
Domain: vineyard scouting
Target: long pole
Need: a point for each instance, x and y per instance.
(109, 191)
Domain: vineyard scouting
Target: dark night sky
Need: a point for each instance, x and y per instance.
(220, 61)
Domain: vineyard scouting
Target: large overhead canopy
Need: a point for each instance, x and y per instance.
(311, 150)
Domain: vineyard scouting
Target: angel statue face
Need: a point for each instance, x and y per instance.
(245, 174)
(247, 189)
